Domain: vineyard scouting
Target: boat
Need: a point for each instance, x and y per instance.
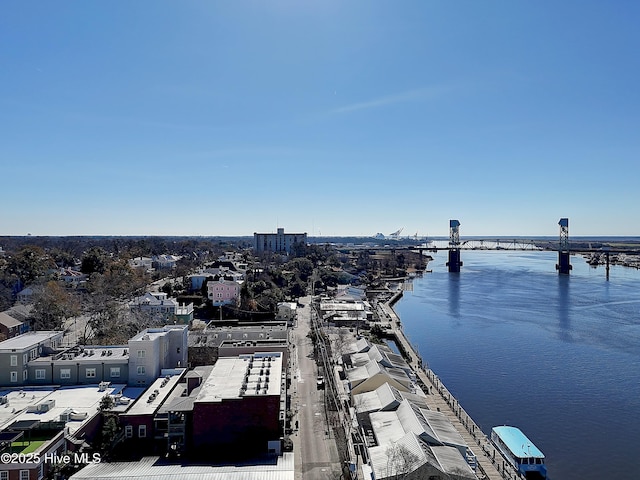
(519, 451)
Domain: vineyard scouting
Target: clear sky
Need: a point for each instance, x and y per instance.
(331, 117)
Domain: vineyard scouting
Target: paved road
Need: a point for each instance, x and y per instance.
(316, 456)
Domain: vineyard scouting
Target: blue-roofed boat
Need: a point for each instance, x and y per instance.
(519, 451)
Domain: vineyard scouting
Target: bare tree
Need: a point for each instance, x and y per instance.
(400, 461)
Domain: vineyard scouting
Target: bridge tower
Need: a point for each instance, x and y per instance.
(564, 257)
(454, 262)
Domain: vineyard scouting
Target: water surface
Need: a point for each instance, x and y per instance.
(557, 356)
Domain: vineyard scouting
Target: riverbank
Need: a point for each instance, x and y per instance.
(491, 464)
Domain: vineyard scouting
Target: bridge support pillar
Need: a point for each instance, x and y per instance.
(564, 257)
(454, 262)
(564, 263)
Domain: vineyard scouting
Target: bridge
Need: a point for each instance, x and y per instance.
(564, 248)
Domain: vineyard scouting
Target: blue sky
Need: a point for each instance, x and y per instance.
(330, 117)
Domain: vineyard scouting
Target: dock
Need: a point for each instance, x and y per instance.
(491, 464)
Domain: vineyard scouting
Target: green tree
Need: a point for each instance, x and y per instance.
(110, 427)
(94, 260)
(29, 264)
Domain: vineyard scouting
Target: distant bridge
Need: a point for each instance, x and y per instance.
(455, 246)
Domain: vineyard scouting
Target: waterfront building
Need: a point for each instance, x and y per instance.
(279, 242)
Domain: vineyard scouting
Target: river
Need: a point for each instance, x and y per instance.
(556, 355)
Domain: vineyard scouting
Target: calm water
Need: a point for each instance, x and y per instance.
(557, 356)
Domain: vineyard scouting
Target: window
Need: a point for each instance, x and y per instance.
(41, 471)
(90, 373)
(142, 431)
(141, 370)
(141, 353)
(65, 373)
(24, 358)
(25, 375)
(4, 475)
(128, 431)
(14, 363)
(24, 474)
(40, 374)
(115, 372)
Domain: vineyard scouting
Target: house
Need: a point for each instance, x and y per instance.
(10, 326)
(184, 313)
(223, 292)
(157, 304)
(145, 263)
(287, 311)
(279, 242)
(25, 295)
(72, 278)
(164, 262)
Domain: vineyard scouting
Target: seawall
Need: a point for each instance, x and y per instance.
(491, 463)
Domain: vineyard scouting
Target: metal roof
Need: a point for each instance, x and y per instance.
(154, 468)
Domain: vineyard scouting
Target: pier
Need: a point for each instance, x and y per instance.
(491, 464)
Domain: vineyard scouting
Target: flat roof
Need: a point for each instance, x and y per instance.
(254, 374)
(278, 468)
(89, 354)
(156, 332)
(155, 395)
(29, 339)
(79, 399)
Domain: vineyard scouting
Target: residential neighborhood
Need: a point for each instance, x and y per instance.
(223, 360)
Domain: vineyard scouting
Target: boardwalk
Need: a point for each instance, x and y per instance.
(491, 463)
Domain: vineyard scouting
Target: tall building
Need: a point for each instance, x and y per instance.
(279, 242)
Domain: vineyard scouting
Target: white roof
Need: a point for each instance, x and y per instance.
(159, 390)
(29, 339)
(153, 468)
(81, 399)
(253, 374)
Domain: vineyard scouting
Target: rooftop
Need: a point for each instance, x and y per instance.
(280, 468)
(87, 354)
(152, 333)
(22, 405)
(29, 339)
(518, 442)
(155, 395)
(246, 375)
